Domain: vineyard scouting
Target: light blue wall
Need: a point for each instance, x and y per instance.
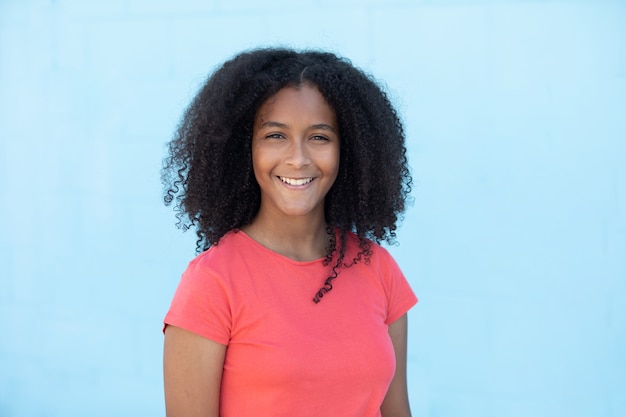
(516, 243)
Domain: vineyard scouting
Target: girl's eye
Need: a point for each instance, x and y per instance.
(274, 136)
(319, 137)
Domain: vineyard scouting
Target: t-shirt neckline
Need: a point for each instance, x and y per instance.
(275, 254)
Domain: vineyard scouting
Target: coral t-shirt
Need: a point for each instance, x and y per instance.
(286, 355)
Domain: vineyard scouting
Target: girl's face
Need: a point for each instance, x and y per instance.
(295, 151)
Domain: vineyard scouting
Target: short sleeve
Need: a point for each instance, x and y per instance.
(201, 304)
(400, 296)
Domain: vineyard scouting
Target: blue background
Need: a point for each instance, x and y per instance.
(516, 242)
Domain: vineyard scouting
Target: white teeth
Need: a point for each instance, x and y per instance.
(296, 181)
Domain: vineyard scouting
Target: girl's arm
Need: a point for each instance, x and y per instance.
(396, 402)
(192, 374)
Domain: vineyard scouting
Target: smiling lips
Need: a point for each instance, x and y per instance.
(295, 181)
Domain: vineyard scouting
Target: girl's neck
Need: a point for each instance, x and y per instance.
(299, 238)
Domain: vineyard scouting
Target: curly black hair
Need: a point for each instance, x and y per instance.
(208, 173)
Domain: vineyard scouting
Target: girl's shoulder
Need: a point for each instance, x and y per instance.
(227, 251)
(375, 252)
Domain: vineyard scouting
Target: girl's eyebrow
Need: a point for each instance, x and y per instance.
(321, 126)
(274, 124)
(324, 126)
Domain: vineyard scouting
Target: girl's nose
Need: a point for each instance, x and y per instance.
(297, 155)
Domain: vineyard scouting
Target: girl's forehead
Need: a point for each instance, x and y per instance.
(294, 101)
